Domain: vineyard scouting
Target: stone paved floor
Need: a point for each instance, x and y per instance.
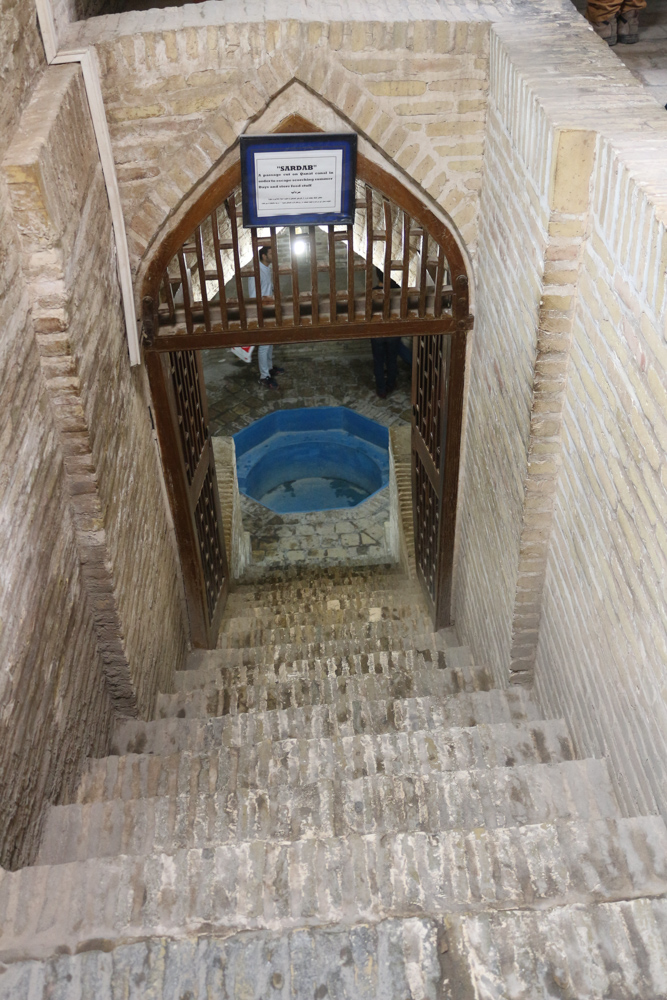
(338, 373)
(647, 59)
(352, 537)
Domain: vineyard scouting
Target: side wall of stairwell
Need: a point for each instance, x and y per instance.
(90, 614)
(50, 688)
(563, 518)
(532, 220)
(602, 655)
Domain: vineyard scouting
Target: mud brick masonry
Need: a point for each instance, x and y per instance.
(516, 124)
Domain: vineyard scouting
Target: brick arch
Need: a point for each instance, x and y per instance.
(179, 394)
(337, 92)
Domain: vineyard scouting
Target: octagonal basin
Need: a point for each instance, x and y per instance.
(315, 458)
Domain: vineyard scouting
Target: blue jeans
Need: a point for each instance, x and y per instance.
(265, 359)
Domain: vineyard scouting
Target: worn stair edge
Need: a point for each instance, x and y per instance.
(275, 886)
(255, 656)
(436, 666)
(368, 631)
(331, 612)
(344, 717)
(302, 761)
(297, 692)
(460, 800)
(390, 960)
(594, 951)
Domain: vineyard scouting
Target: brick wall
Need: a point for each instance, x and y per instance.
(90, 608)
(532, 223)
(563, 540)
(54, 708)
(602, 655)
(100, 407)
(510, 263)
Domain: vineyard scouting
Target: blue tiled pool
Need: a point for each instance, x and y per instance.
(315, 458)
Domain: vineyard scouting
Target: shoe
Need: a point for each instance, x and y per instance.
(607, 30)
(390, 388)
(276, 371)
(628, 27)
(268, 383)
(381, 395)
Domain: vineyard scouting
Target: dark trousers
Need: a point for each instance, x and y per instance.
(385, 355)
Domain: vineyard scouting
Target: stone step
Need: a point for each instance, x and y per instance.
(396, 584)
(325, 618)
(463, 800)
(308, 576)
(290, 590)
(240, 603)
(387, 665)
(367, 632)
(233, 699)
(344, 717)
(289, 652)
(263, 884)
(302, 761)
(315, 610)
(603, 950)
(388, 960)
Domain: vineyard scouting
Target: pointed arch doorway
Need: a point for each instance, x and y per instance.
(187, 307)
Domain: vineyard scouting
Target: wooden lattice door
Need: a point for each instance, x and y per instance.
(179, 396)
(437, 409)
(398, 271)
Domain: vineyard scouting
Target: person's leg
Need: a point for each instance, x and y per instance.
(628, 21)
(377, 347)
(392, 362)
(264, 361)
(274, 369)
(603, 15)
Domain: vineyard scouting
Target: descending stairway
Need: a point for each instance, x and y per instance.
(337, 803)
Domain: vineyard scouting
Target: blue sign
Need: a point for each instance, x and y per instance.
(298, 179)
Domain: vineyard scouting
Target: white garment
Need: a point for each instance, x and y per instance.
(265, 281)
(265, 353)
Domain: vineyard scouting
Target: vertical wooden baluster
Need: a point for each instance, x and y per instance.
(169, 295)
(386, 289)
(422, 275)
(258, 283)
(314, 276)
(199, 246)
(185, 285)
(295, 278)
(406, 265)
(439, 279)
(221, 274)
(276, 278)
(333, 294)
(230, 205)
(350, 274)
(369, 254)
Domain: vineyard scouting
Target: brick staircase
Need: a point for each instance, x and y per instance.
(337, 803)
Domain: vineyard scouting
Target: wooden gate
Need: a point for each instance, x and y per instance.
(179, 399)
(398, 271)
(438, 371)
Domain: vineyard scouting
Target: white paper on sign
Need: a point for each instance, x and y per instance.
(293, 183)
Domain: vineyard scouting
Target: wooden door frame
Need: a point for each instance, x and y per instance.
(456, 326)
